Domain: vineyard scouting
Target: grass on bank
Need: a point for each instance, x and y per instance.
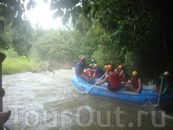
(17, 65)
(23, 64)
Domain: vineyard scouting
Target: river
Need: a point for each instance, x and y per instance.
(48, 101)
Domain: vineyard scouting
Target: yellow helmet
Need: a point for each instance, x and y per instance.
(134, 73)
(106, 66)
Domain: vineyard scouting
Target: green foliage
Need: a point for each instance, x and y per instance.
(11, 17)
(6, 38)
(136, 36)
(55, 45)
(128, 32)
(34, 56)
(17, 65)
(10, 53)
(22, 38)
(11, 12)
(71, 6)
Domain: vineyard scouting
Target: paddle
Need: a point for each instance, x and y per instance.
(95, 83)
(160, 92)
(149, 101)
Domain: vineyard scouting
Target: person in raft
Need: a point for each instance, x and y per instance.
(89, 72)
(79, 69)
(99, 72)
(122, 73)
(111, 79)
(167, 85)
(135, 83)
(93, 64)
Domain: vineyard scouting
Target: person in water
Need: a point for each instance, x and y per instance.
(135, 83)
(111, 79)
(79, 69)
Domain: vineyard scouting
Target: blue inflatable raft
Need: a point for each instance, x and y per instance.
(99, 90)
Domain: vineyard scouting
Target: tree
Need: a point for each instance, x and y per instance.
(131, 32)
(134, 28)
(23, 38)
(11, 13)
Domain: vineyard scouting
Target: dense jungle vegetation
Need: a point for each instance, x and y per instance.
(135, 33)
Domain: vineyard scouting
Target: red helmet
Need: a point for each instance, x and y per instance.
(120, 67)
(82, 58)
(110, 67)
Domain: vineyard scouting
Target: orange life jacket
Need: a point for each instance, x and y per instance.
(114, 79)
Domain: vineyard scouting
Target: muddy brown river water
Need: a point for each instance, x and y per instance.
(48, 101)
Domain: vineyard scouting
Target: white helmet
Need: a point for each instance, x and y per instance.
(166, 73)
